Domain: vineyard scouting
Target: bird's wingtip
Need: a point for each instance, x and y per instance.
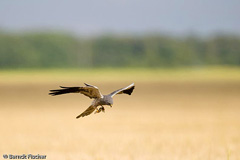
(132, 84)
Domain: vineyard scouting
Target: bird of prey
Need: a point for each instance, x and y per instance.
(93, 92)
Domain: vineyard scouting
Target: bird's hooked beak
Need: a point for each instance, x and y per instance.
(110, 105)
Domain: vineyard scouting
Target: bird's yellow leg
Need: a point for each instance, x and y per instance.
(97, 110)
(101, 109)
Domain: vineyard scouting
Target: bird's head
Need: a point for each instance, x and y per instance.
(110, 102)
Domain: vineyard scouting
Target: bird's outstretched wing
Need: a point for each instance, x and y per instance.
(88, 90)
(88, 111)
(127, 90)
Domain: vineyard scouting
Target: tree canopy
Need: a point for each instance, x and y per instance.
(55, 50)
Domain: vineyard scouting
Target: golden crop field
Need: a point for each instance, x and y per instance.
(183, 115)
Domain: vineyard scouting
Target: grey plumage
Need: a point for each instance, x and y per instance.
(93, 92)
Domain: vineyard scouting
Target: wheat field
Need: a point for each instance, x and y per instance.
(161, 120)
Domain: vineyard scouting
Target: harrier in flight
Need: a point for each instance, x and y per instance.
(93, 92)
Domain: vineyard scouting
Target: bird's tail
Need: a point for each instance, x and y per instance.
(64, 90)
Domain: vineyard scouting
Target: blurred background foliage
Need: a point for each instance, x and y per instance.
(62, 50)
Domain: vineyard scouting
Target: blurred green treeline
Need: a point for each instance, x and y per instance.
(54, 50)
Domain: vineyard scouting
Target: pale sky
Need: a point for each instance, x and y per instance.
(121, 16)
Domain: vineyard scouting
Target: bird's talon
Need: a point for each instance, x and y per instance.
(97, 111)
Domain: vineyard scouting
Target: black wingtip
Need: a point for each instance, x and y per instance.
(79, 116)
(64, 87)
(129, 91)
(64, 90)
(51, 94)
